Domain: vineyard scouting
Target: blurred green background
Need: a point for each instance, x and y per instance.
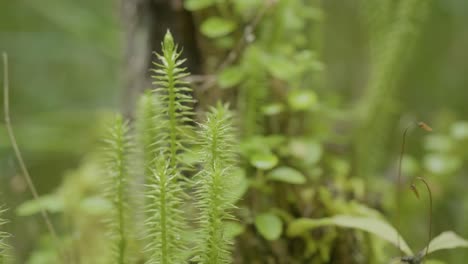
(64, 75)
(66, 61)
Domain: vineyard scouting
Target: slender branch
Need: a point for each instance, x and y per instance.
(14, 144)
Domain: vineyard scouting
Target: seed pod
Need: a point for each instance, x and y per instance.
(425, 126)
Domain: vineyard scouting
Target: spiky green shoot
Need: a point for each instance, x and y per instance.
(147, 118)
(118, 149)
(176, 102)
(165, 224)
(4, 247)
(218, 156)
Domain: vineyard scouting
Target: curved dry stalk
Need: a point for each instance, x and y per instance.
(19, 157)
(400, 161)
(429, 192)
(427, 128)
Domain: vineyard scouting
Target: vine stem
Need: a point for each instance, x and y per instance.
(19, 157)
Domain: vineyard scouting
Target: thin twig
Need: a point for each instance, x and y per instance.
(14, 144)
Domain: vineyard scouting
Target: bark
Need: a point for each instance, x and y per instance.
(145, 22)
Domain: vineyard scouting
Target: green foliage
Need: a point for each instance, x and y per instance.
(379, 228)
(118, 150)
(194, 5)
(264, 161)
(217, 27)
(375, 226)
(446, 240)
(4, 247)
(301, 100)
(288, 175)
(316, 147)
(213, 182)
(269, 225)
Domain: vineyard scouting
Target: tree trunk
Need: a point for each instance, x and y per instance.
(145, 23)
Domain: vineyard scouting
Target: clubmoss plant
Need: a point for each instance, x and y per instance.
(218, 159)
(147, 132)
(4, 247)
(163, 132)
(165, 223)
(118, 149)
(176, 102)
(171, 117)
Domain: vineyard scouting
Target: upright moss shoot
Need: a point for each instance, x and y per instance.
(148, 116)
(176, 102)
(166, 223)
(218, 159)
(118, 149)
(3, 236)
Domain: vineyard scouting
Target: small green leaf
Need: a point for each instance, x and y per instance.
(225, 42)
(195, 5)
(301, 100)
(281, 67)
(244, 7)
(308, 150)
(215, 27)
(446, 240)
(233, 229)
(374, 226)
(231, 76)
(51, 203)
(269, 226)
(264, 161)
(238, 186)
(273, 109)
(287, 174)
